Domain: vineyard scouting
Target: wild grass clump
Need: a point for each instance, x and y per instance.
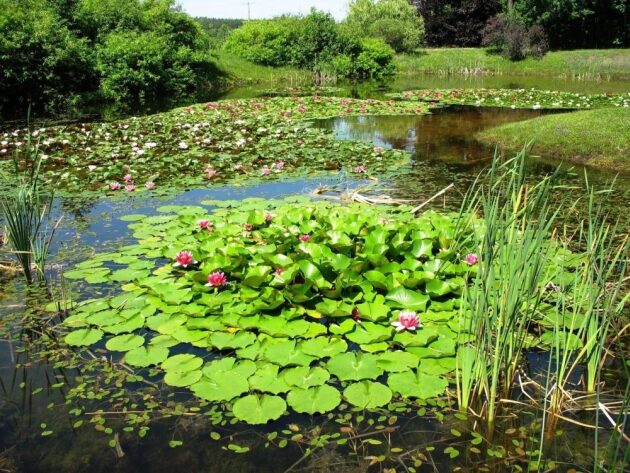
(25, 211)
(530, 276)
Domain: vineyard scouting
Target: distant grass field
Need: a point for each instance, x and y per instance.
(587, 64)
(598, 138)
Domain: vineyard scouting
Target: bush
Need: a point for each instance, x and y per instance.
(314, 42)
(508, 36)
(265, 42)
(538, 41)
(375, 60)
(125, 51)
(396, 22)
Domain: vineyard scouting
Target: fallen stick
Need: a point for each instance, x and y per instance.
(443, 191)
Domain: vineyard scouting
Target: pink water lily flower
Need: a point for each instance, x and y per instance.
(360, 169)
(265, 171)
(211, 172)
(204, 224)
(305, 237)
(216, 279)
(471, 259)
(280, 165)
(114, 186)
(128, 178)
(378, 149)
(268, 217)
(248, 227)
(130, 188)
(184, 259)
(407, 320)
(150, 185)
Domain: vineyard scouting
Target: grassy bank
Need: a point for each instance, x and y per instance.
(588, 64)
(599, 138)
(242, 71)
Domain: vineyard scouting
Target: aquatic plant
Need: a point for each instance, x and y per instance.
(25, 211)
(227, 141)
(515, 98)
(298, 311)
(526, 280)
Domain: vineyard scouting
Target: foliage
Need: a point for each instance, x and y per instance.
(314, 42)
(25, 211)
(523, 278)
(218, 29)
(285, 321)
(126, 52)
(579, 24)
(215, 143)
(456, 22)
(396, 22)
(506, 34)
(516, 98)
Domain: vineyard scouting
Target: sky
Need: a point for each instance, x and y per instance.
(260, 8)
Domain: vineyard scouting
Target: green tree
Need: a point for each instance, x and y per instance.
(396, 22)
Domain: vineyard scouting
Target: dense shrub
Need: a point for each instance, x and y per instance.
(507, 35)
(314, 42)
(52, 52)
(456, 22)
(396, 22)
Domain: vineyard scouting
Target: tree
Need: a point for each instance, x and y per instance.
(579, 23)
(456, 22)
(396, 22)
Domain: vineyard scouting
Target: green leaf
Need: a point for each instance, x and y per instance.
(124, 342)
(404, 298)
(305, 377)
(181, 379)
(319, 399)
(83, 337)
(417, 385)
(322, 347)
(354, 366)
(368, 394)
(255, 409)
(182, 363)
(397, 361)
(146, 356)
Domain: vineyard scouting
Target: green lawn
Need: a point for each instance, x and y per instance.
(599, 138)
(242, 71)
(586, 64)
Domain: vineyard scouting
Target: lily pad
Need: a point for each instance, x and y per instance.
(318, 399)
(258, 409)
(368, 394)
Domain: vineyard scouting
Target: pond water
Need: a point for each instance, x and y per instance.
(444, 151)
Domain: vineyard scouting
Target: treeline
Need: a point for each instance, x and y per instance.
(55, 53)
(568, 24)
(363, 45)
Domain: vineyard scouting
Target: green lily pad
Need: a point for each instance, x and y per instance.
(305, 377)
(182, 363)
(255, 409)
(124, 342)
(318, 399)
(146, 356)
(368, 394)
(417, 384)
(354, 366)
(83, 337)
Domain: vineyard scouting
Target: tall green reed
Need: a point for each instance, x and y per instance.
(25, 210)
(514, 250)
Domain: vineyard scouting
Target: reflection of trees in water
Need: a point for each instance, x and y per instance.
(446, 134)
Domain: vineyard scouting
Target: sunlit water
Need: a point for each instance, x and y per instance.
(444, 151)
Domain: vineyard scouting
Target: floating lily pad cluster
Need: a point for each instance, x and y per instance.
(516, 98)
(303, 317)
(228, 141)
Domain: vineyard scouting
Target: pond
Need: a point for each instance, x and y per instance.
(39, 430)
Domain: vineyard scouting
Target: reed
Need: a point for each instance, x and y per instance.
(26, 214)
